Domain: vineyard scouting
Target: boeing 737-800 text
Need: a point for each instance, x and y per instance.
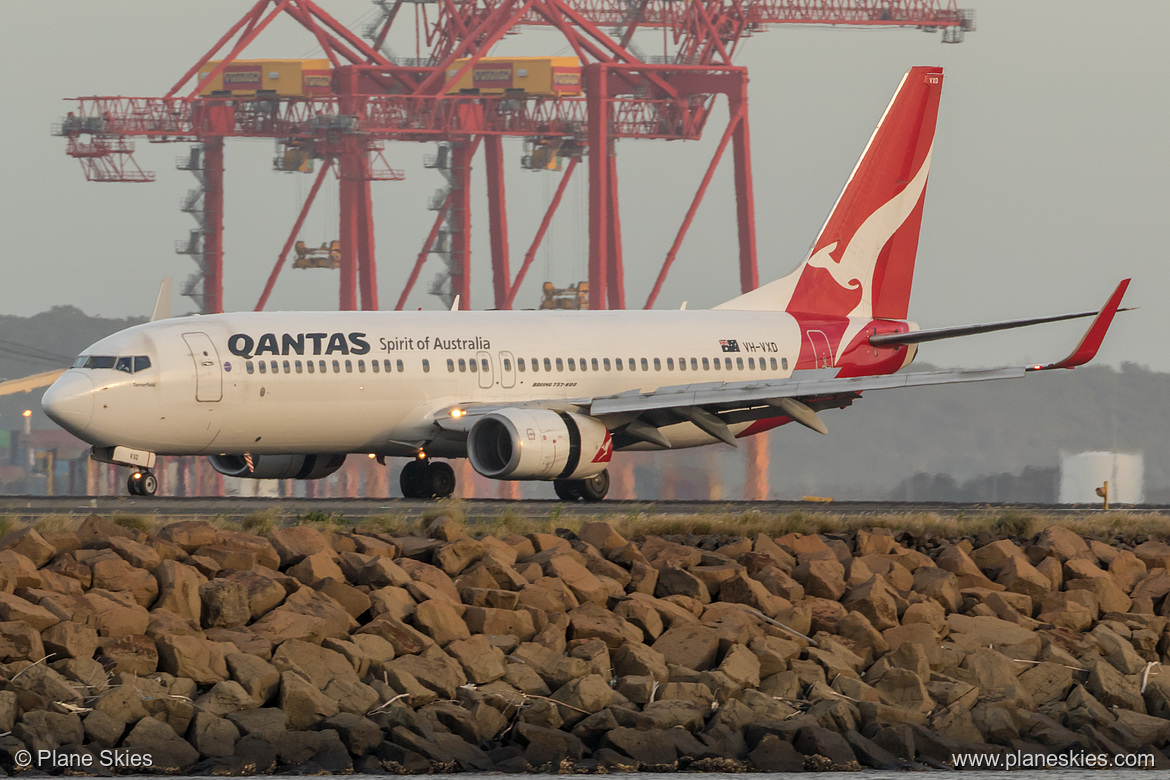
(540, 395)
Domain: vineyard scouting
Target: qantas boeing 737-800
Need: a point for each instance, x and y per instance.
(541, 395)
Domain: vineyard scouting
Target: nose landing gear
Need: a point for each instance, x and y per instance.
(142, 483)
(423, 478)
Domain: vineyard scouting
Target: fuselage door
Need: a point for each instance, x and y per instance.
(208, 377)
(821, 348)
(485, 369)
(507, 369)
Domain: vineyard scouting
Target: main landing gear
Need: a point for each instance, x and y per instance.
(424, 478)
(591, 489)
(142, 483)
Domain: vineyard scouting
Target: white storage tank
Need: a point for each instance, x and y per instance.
(1082, 473)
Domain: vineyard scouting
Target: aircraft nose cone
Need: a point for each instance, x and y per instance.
(69, 402)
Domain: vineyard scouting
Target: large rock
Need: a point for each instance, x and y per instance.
(15, 609)
(482, 662)
(303, 703)
(167, 750)
(259, 678)
(821, 577)
(43, 730)
(179, 589)
(192, 656)
(441, 621)
(293, 544)
(224, 604)
(875, 600)
(29, 543)
(980, 631)
(482, 620)
(134, 654)
(582, 582)
(212, 735)
(693, 646)
(591, 620)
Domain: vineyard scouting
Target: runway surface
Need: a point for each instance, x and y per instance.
(355, 509)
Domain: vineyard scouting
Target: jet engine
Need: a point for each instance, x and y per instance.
(538, 444)
(278, 466)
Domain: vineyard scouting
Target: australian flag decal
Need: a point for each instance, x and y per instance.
(729, 345)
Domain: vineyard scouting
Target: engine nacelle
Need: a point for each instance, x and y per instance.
(539, 444)
(278, 466)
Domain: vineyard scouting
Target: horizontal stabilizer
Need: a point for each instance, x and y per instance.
(937, 334)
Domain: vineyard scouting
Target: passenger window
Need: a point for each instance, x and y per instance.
(560, 365)
(682, 364)
(287, 368)
(783, 363)
(774, 363)
(738, 363)
(507, 364)
(695, 364)
(706, 364)
(374, 366)
(426, 366)
(752, 363)
(386, 365)
(361, 366)
(605, 362)
(619, 363)
(718, 364)
(670, 364)
(594, 363)
(401, 368)
(634, 365)
(483, 364)
(450, 365)
(263, 366)
(547, 364)
(124, 364)
(274, 366)
(300, 367)
(572, 364)
(321, 365)
(249, 367)
(520, 363)
(349, 366)
(309, 365)
(472, 366)
(336, 367)
(583, 365)
(462, 365)
(535, 364)
(657, 364)
(141, 363)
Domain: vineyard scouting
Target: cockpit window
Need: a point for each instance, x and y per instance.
(129, 364)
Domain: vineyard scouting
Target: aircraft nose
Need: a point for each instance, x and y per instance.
(69, 402)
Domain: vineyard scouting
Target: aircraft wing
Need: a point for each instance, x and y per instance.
(713, 406)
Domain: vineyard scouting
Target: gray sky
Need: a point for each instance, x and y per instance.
(1050, 182)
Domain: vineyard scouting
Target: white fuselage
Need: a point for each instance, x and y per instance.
(313, 382)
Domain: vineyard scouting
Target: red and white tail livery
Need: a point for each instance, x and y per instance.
(541, 395)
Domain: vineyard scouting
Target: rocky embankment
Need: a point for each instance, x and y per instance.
(199, 649)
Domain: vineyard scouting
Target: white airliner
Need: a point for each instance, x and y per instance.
(540, 395)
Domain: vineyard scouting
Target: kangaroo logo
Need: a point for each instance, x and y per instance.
(858, 261)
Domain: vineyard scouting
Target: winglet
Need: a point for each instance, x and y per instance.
(1086, 350)
(162, 304)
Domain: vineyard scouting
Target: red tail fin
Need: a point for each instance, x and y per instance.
(862, 263)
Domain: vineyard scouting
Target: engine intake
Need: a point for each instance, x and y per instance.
(538, 444)
(278, 466)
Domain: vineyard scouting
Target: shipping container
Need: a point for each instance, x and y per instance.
(542, 76)
(279, 78)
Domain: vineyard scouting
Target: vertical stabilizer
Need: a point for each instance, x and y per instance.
(862, 263)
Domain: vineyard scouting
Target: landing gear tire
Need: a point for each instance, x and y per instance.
(427, 479)
(440, 480)
(568, 489)
(593, 488)
(142, 483)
